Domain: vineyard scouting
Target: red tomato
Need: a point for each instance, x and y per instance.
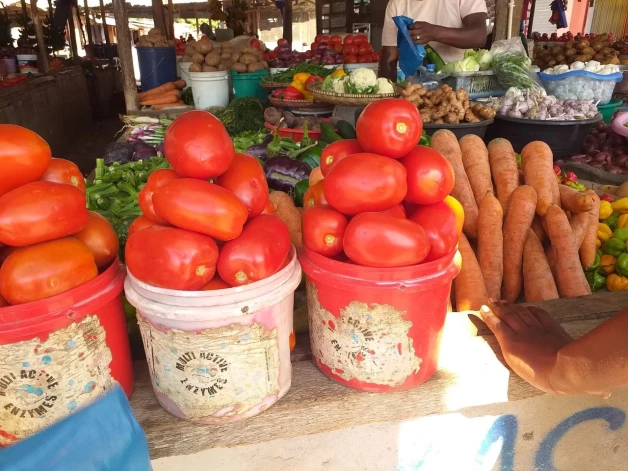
(214, 284)
(335, 39)
(5, 251)
(375, 57)
(365, 49)
(157, 179)
(3, 302)
(313, 46)
(246, 179)
(24, 157)
(384, 241)
(315, 196)
(64, 171)
(141, 223)
(351, 49)
(442, 223)
(269, 208)
(430, 175)
(307, 54)
(338, 48)
(43, 270)
(323, 230)
(255, 43)
(337, 151)
(365, 182)
(259, 252)
(171, 258)
(100, 238)
(41, 211)
(197, 145)
(364, 59)
(396, 211)
(321, 37)
(282, 41)
(360, 39)
(351, 59)
(348, 39)
(390, 127)
(200, 206)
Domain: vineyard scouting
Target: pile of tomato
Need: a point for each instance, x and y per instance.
(49, 242)
(12, 81)
(207, 223)
(384, 201)
(354, 49)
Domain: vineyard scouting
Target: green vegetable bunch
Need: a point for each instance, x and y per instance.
(246, 139)
(285, 76)
(242, 114)
(513, 70)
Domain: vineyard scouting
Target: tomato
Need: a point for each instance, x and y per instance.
(384, 241)
(64, 171)
(315, 196)
(323, 230)
(43, 270)
(197, 145)
(335, 39)
(259, 252)
(365, 182)
(157, 179)
(351, 59)
(348, 39)
(100, 238)
(390, 127)
(246, 179)
(255, 43)
(365, 49)
(351, 49)
(430, 175)
(282, 41)
(338, 48)
(364, 59)
(337, 151)
(360, 39)
(269, 208)
(442, 223)
(200, 206)
(214, 284)
(321, 37)
(375, 57)
(41, 211)
(3, 302)
(24, 157)
(396, 211)
(171, 258)
(141, 223)
(5, 252)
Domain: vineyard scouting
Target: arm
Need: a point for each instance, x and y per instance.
(471, 35)
(388, 63)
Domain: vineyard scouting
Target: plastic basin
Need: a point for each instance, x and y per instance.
(607, 111)
(248, 85)
(60, 353)
(218, 356)
(295, 134)
(373, 329)
(209, 89)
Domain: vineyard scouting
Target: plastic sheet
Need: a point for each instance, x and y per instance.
(410, 55)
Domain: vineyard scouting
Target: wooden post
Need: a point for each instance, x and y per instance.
(287, 21)
(72, 36)
(500, 31)
(196, 17)
(319, 16)
(39, 32)
(171, 18)
(24, 12)
(88, 25)
(158, 16)
(104, 23)
(126, 55)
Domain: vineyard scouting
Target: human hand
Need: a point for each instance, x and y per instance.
(529, 338)
(423, 33)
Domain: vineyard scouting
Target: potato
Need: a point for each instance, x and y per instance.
(560, 58)
(213, 59)
(580, 45)
(557, 50)
(186, 58)
(255, 66)
(226, 45)
(204, 46)
(598, 57)
(209, 68)
(189, 50)
(239, 67)
(588, 50)
(248, 50)
(570, 44)
(161, 43)
(552, 62)
(597, 47)
(581, 58)
(572, 51)
(154, 32)
(223, 66)
(198, 58)
(248, 58)
(171, 43)
(194, 67)
(235, 57)
(225, 56)
(588, 57)
(606, 51)
(265, 64)
(144, 43)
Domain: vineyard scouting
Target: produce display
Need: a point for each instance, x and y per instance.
(241, 115)
(154, 38)
(287, 76)
(49, 241)
(360, 81)
(590, 66)
(445, 105)
(600, 48)
(473, 61)
(283, 56)
(164, 96)
(285, 119)
(352, 49)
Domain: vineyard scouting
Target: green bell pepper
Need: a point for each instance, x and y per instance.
(596, 281)
(425, 140)
(614, 247)
(621, 234)
(621, 266)
(596, 263)
(612, 220)
(312, 157)
(299, 192)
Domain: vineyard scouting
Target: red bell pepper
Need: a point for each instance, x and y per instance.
(557, 170)
(278, 93)
(291, 93)
(313, 79)
(607, 197)
(571, 177)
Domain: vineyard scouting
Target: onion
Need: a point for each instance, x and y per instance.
(596, 164)
(580, 158)
(606, 147)
(591, 150)
(621, 160)
(601, 137)
(322, 47)
(602, 127)
(284, 48)
(602, 157)
(614, 169)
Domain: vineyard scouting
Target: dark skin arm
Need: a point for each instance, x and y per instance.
(388, 63)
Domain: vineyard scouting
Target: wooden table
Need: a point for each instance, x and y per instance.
(471, 374)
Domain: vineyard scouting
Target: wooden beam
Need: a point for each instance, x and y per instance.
(516, 18)
(72, 36)
(171, 19)
(196, 17)
(39, 32)
(500, 31)
(104, 22)
(158, 16)
(24, 12)
(287, 21)
(319, 16)
(126, 56)
(88, 26)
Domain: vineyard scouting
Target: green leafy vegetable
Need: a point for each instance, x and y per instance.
(246, 139)
(483, 57)
(285, 76)
(513, 70)
(242, 114)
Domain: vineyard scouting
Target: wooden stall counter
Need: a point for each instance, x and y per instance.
(473, 414)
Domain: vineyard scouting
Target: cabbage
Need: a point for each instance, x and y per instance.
(483, 57)
(468, 64)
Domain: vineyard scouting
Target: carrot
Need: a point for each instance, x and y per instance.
(587, 248)
(316, 176)
(570, 277)
(538, 172)
(445, 142)
(551, 261)
(538, 281)
(538, 228)
(518, 222)
(475, 162)
(176, 104)
(469, 287)
(166, 87)
(165, 99)
(180, 84)
(579, 223)
(503, 161)
(574, 200)
(491, 244)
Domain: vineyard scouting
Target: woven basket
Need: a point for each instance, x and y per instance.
(299, 104)
(347, 99)
(273, 85)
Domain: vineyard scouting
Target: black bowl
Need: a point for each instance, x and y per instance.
(460, 130)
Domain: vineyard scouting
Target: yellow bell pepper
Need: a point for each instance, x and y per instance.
(607, 264)
(620, 205)
(308, 95)
(598, 243)
(622, 221)
(301, 77)
(604, 232)
(605, 210)
(338, 73)
(298, 85)
(616, 282)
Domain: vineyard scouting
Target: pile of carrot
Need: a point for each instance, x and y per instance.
(164, 96)
(527, 237)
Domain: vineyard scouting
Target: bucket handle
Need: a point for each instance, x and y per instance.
(156, 67)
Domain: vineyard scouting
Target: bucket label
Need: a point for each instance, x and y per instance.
(214, 373)
(366, 343)
(42, 382)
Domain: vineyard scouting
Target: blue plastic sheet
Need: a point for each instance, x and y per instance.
(104, 436)
(410, 55)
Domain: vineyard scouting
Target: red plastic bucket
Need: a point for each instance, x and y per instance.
(377, 329)
(59, 353)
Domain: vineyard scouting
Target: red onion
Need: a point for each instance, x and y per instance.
(606, 147)
(580, 158)
(601, 137)
(596, 164)
(602, 127)
(602, 157)
(621, 160)
(614, 169)
(591, 149)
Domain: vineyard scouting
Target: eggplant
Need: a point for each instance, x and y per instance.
(268, 139)
(121, 152)
(259, 151)
(283, 173)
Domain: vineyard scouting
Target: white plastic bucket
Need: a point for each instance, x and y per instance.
(210, 89)
(27, 63)
(218, 356)
(183, 68)
(374, 66)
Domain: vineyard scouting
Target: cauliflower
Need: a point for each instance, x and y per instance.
(362, 81)
(384, 86)
(338, 85)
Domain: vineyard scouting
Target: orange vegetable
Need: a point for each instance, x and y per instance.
(475, 161)
(163, 99)
(316, 176)
(574, 200)
(579, 223)
(469, 287)
(503, 161)
(538, 163)
(176, 104)
(538, 280)
(539, 228)
(161, 89)
(491, 244)
(587, 248)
